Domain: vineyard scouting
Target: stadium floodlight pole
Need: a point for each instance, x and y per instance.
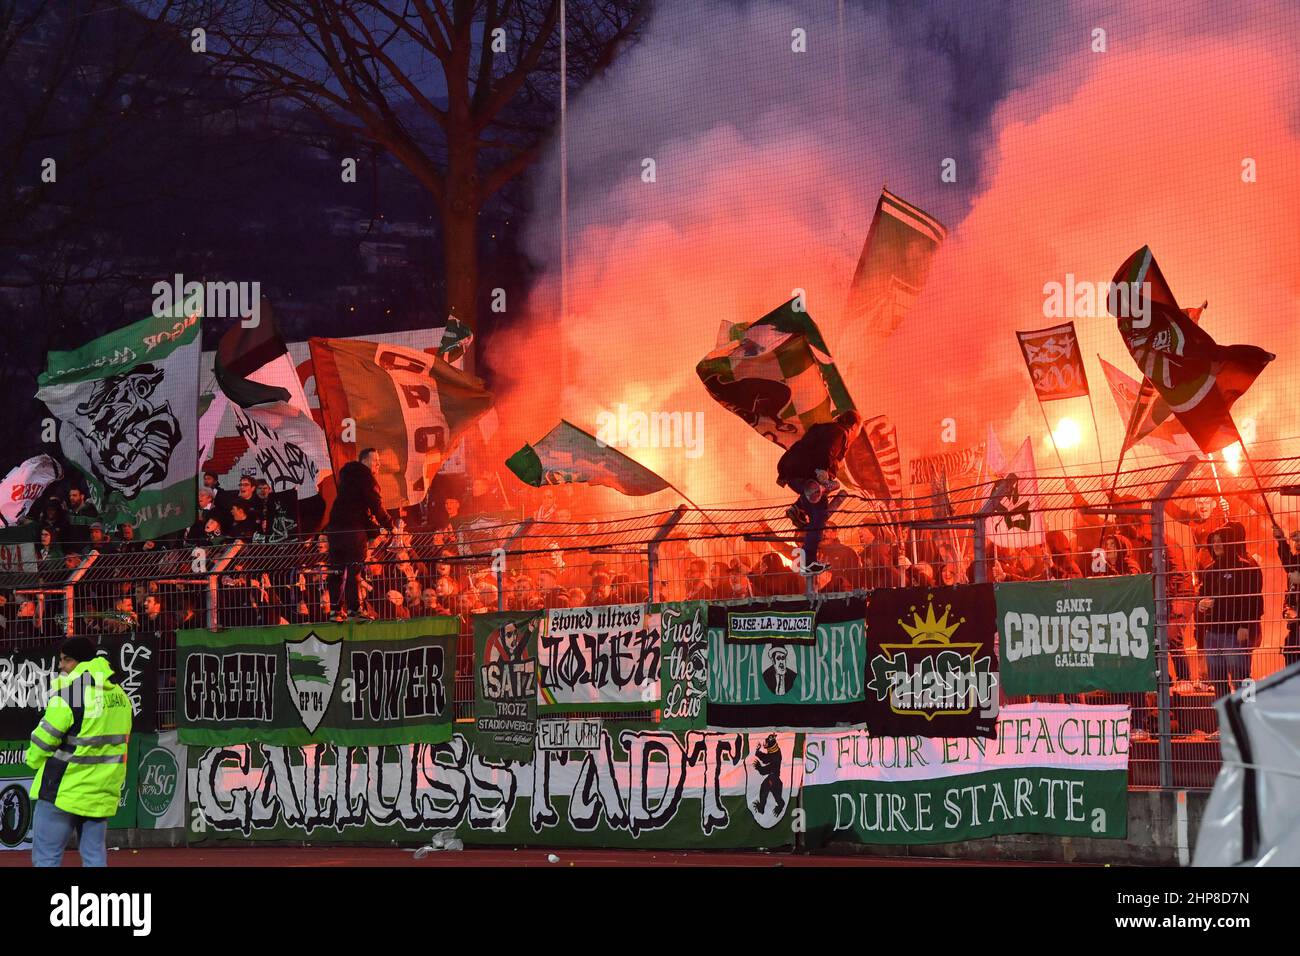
(652, 548)
(564, 196)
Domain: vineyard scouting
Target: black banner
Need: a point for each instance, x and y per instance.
(932, 668)
(25, 677)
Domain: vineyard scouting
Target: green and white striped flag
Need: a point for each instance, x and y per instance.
(568, 454)
(894, 264)
(127, 405)
(776, 374)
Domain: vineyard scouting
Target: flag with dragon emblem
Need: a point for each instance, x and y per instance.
(127, 405)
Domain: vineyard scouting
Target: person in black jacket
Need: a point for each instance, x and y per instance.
(1231, 605)
(1288, 552)
(810, 467)
(357, 509)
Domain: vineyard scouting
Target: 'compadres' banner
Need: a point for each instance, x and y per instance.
(779, 684)
(598, 659)
(637, 786)
(1052, 768)
(1065, 637)
(127, 405)
(375, 683)
(505, 685)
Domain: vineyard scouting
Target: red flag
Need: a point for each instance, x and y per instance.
(1054, 363)
(1197, 377)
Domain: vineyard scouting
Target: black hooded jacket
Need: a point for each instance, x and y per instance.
(358, 501)
(822, 446)
(1235, 583)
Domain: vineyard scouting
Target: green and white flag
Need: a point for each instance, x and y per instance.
(1067, 637)
(568, 454)
(127, 405)
(776, 374)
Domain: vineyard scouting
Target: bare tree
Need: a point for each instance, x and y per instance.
(462, 92)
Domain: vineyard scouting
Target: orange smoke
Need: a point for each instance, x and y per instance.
(1141, 145)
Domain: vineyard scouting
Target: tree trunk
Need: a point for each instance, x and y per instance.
(460, 233)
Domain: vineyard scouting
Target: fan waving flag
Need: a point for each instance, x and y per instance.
(568, 454)
(411, 407)
(776, 374)
(1054, 363)
(895, 262)
(1197, 377)
(127, 405)
(24, 485)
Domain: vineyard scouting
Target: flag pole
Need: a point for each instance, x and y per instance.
(1259, 486)
(1096, 432)
(1050, 436)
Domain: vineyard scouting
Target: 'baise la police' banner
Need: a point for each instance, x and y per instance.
(388, 682)
(1066, 637)
(772, 683)
(634, 786)
(1050, 768)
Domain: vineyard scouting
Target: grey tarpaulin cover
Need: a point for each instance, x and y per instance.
(1253, 815)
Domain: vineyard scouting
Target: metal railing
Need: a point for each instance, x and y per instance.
(1163, 520)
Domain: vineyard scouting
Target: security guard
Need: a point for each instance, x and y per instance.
(79, 753)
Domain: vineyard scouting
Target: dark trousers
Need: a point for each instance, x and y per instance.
(347, 555)
(812, 538)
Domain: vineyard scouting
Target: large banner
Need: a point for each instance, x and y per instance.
(505, 683)
(127, 405)
(372, 683)
(602, 659)
(1051, 768)
(1066, 637)
(780, 680)
(634, 786)
(26, 675)
(933, 665)
(684, 629)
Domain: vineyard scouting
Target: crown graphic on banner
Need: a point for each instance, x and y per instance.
(931, 630)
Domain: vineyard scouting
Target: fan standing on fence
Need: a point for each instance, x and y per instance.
(810, 467)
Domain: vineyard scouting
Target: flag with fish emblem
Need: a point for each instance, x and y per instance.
(1198, 378)
(895, 262)
(127, 405)
(568, 454)
(1054, 362)
(411, 407)
(776, 374)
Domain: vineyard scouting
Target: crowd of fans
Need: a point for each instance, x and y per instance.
(363, 562)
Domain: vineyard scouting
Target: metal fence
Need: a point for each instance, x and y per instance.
(1169, 521)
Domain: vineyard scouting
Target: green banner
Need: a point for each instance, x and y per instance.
(127, 405)
(370, 683)
(505, 683)
(684, 630)
(160, 781)
(125, 818)
(639, 786)
(1066, 637)
(1051, 768)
